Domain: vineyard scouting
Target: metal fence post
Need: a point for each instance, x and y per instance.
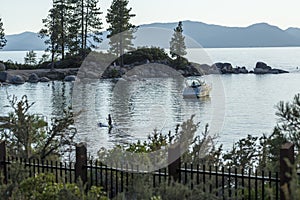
(286, 153)
(174, 161)
(3, 168)
(81, 163)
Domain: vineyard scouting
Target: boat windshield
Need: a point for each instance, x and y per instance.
(195, 83)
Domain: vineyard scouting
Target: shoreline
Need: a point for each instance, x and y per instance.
(39, 72)
(69, 74)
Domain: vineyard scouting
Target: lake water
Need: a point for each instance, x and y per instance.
(18, 56)
(238, 105)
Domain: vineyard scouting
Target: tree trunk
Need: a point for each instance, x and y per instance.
(52, 61)
(62, 34)
(86, 27)
(82, 29)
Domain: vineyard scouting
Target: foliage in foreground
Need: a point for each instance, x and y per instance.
(264, 152)
(251, 152)
(194, 148)
(30, 136)
(43, 187)
(141, 189)
(260, 152)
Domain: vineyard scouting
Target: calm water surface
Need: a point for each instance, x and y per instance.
(249, 100)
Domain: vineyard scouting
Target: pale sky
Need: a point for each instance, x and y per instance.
(26, 15)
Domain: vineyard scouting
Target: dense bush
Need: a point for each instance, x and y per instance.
(13, 66)
(142, 54)
(180, 63)
(44, 187)
(68, 62)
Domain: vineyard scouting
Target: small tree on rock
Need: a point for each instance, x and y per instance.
(2, 35)
(30, 58)
(177, 44)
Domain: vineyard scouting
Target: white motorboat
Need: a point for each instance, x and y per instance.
(196, 88)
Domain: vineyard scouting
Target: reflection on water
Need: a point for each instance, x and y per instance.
(136, 107)
(50, 99)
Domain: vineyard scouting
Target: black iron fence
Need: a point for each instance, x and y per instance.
(227, 183)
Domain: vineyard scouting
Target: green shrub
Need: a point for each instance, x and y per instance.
(44, 187)
(144, 53)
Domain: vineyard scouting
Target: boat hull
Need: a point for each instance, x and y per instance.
(192, 92)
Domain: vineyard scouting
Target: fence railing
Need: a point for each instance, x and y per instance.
(232, 183)
(229, 183)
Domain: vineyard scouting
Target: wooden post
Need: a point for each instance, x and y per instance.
(174, 161)
(286, 153)
(81, 163)
(3, 168)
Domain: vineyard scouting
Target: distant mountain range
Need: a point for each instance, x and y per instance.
(207, 35)
(24, 42)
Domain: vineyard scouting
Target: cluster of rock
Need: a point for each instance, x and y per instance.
(195, 69)
(260, 68)
(226, 68)
(92, 70)
(263, 68)
(13, 79)
(35, 76)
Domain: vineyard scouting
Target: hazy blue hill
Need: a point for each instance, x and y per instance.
(207, 35)
(257, 35)
(295, 32)
(24, 42)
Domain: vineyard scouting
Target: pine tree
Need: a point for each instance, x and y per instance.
(177, 44)
(120, 29)
(93, 24)
(56, 28)
(62, 7)
(52, 33)
(74, 29)
(85, 26)
(72, 26)
(30, 58)
(2, 35)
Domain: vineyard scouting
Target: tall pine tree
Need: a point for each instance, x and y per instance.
(85, 26)
(74, 29)
(72, 26)
(52, 33)
(93, 24)
(2, 35)
(62, 7)
(177, 43)
(120, 29)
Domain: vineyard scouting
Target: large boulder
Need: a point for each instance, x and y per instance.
(17, 79)
(4, 76)
(2, 67)
(33, 78)
(218, 65)
(262, 68)
(262, 65)
(224, 68)
(70, 78)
